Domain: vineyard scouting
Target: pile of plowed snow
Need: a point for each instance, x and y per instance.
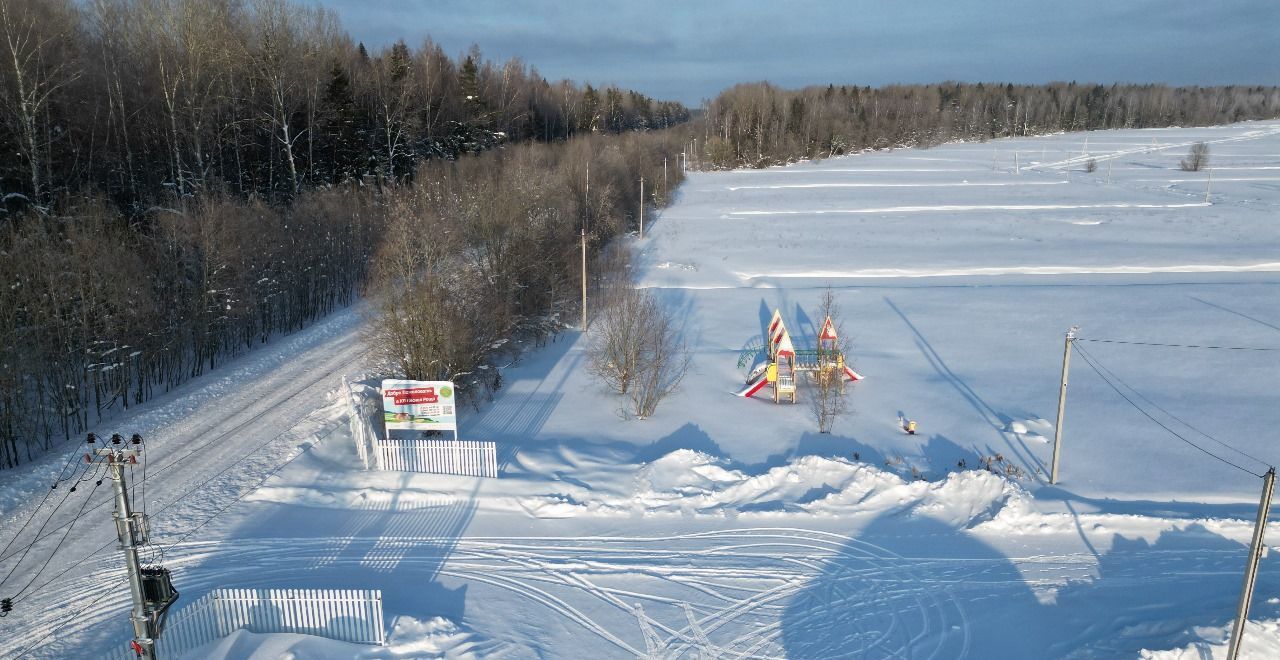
(1261, 641)
(682, 483)
(410, 638)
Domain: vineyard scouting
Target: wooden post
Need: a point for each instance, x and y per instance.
(1017, 169)
(1251, 568)
(1208, 186)
(585, 217)
(664, 180)
(641, 207)
(1062, 407)
(1109, 171)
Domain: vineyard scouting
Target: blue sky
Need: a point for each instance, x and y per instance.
(690, 50)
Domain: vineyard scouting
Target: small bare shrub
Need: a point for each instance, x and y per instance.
(1197, 159)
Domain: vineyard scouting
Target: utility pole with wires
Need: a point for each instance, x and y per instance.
(1062, 405)
(150, 588)
(586, 214)
(641, 207)
(1251, 568)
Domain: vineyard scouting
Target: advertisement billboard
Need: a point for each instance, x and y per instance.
(419, 405)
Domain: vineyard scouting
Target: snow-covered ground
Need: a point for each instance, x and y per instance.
(728, 527)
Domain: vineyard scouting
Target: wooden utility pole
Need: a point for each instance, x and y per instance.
(664, 180)
(585, 216)
(641, 207)
(1251, 568)
(1208, 186)
(1017, 169)
(1062, 406)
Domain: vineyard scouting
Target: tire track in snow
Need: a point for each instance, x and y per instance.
(965, 208)
(237, 456)
(750, 578)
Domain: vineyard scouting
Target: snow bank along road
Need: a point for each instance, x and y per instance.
(724, 527)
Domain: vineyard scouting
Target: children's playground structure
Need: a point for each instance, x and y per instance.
(783, 361)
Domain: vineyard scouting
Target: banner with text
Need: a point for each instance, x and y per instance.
(419, 405)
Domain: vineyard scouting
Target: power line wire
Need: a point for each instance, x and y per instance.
(62, 543)
(199, 486)
(244, 494)
(52, 514)
(160, 552)
(47, 493)
(1151, 343)
(73, 618)
(1185, 423)
(197, 448)
(1087, 359)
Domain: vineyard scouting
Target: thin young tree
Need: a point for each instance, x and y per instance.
(663, 361)
(828, 401)
(617, 343)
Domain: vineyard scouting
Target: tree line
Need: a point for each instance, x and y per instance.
(191, 177)
(759, 124)
(147, 100)
(482, 252)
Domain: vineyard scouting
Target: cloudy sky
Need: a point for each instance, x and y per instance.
(688, 50)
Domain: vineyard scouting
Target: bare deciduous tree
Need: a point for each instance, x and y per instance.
(36, 66)
(615, 351)
(637, 349)
(1197, 159)
(664, 359)
(828, 400)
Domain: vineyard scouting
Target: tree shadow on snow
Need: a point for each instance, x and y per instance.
(879, 596)
(398, 545)
(689, 436)
(911, 586)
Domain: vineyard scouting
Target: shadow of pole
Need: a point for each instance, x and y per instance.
(984, 410)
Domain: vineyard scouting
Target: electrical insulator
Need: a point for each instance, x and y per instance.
(116, 439)
(91, 438)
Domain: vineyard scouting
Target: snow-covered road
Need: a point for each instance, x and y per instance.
(207, 444)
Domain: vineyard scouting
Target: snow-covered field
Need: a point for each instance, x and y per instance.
(728, 527)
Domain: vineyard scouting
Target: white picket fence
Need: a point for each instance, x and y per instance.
(361, 431)
(471, 458)
(348, 615)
